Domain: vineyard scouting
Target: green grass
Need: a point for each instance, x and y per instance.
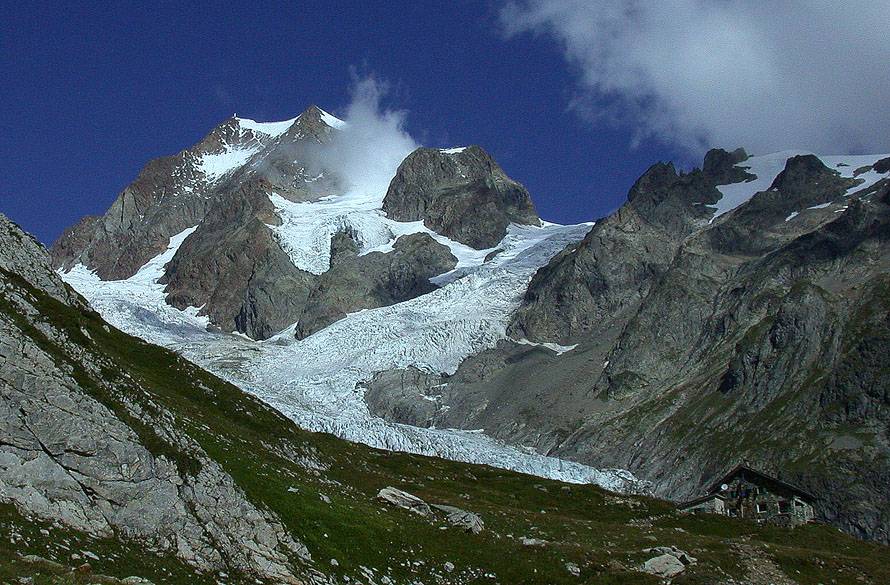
(602, 533)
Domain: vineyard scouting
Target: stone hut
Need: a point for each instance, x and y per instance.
(747, 493)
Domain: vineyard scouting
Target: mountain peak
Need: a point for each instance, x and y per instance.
(315, 114)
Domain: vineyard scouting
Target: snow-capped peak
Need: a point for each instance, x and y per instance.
(276, 129)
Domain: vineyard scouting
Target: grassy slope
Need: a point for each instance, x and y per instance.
(602, 533)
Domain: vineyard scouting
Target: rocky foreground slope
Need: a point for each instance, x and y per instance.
(120, 462)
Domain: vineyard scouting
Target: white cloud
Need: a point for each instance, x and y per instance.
(366, 152)
(774, 75)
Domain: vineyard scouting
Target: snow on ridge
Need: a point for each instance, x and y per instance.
(456, 150)
(554, 347)
(272, 129)
(767, 168)
(331, 120)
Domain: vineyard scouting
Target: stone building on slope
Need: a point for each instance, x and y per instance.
(747, 493)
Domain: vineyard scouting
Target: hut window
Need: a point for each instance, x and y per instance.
(784, 506)
(761, 508)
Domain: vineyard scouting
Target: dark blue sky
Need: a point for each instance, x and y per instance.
(90, 94)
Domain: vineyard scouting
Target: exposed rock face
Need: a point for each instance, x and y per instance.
(374, 280)
(462, 194)
(169, 195)
(700, 344)
(234, 268)
(720, 166)
(73, 453)
(613, 268)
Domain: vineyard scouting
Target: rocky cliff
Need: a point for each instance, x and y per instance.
(84, 444)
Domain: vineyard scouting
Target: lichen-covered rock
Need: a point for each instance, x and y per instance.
(406, 501)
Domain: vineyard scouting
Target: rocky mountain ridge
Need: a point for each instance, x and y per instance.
(245, 179)
(700, 341)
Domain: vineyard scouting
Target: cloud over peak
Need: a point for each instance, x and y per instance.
(700, 73)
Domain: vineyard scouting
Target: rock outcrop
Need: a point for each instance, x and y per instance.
(374, 280)
(79, 448)
(406, 501)
(459, 193)
(469, 521)
(235, 269)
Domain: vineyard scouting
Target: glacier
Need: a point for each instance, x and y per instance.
(314, 381)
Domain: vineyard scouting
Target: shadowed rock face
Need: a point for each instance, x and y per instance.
(464, 195)
(700, 344)
(233, 267)
(374, 280)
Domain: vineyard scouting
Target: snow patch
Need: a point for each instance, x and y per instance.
(456, 150)
(767, 168)
(554, 347)
(215, 166)
(331, 120)
(272, 129)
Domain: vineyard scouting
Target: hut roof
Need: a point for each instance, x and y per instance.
(745, 469)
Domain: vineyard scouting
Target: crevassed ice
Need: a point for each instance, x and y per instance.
(313, 381)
